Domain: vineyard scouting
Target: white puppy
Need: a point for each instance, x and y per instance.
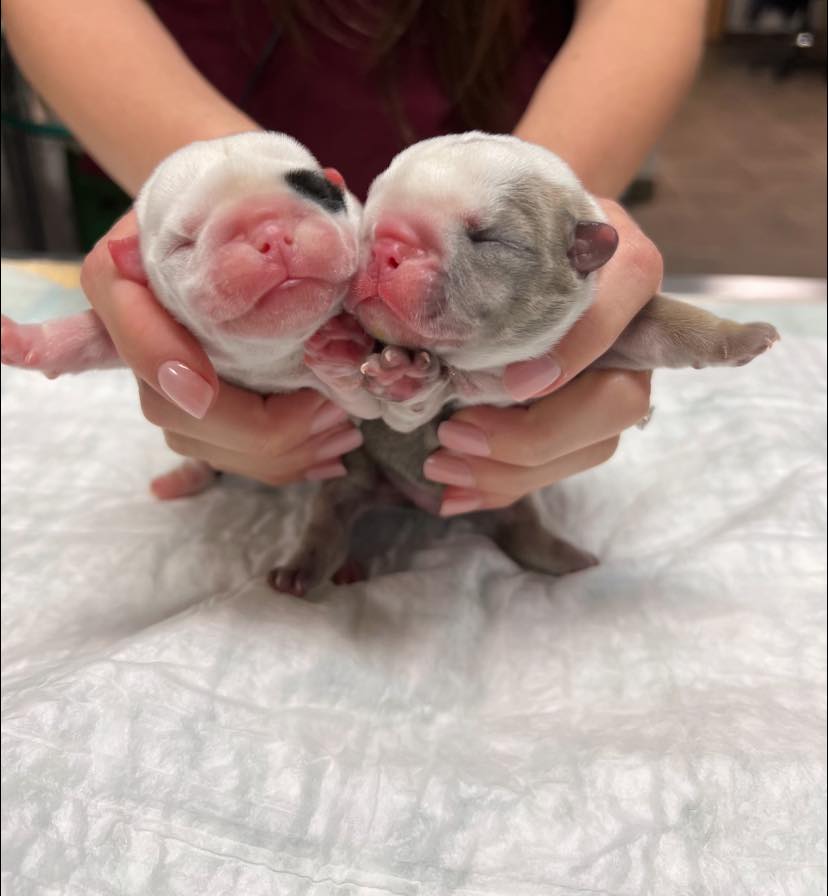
(247, 242)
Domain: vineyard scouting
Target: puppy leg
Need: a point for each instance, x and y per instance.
(520, 534)
(69, 345)
(323, 551)
(668, 333)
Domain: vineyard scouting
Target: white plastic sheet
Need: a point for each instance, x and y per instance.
(453, 726)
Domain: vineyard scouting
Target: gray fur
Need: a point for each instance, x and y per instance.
(513, 293)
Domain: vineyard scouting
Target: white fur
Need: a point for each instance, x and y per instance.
(195, 181)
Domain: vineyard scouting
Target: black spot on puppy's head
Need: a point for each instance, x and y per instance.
(315, 186)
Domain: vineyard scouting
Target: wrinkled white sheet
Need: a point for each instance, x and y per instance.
(454, 726)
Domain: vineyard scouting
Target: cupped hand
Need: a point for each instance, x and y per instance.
(493, 456)
(275, 439)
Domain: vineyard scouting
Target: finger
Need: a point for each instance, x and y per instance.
(159, 349)
(597, 405)
(319, 458)
(491, 477)
(625, 284)
(246, 422)
(189, 478)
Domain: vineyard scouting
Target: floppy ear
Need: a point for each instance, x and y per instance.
(334, 177)
(593, 245)
(126, 254)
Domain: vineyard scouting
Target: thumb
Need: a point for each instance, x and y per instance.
(156, 347)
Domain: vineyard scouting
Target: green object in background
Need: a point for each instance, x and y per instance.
(96, 200)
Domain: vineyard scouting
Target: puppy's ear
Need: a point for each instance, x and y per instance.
(126, 254)
(334, 177)
(593, 245)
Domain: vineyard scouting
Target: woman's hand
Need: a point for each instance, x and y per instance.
(493, 456)
(275, 439)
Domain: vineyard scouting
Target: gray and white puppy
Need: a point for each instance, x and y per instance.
(479, 251)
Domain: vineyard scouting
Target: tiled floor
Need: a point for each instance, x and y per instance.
(741, 175)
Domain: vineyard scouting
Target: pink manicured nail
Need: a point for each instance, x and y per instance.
(185, 388)
(455, 506)
(449, 470)
(526, 378)
(326, 417)
(463, 438)
(326, 471)
(339, 443)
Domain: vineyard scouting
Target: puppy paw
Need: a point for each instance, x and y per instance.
(749, 342)
(397, 374)
(337, 350)
(294, 580)
(349, 573)
(22, 345)
(740, 344)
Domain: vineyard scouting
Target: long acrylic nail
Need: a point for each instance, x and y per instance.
(527, 378)
(326, 471)
(449, 470)
(456, 506)
(327, 416)
(339, 443)
(463, 438)
(185, 388)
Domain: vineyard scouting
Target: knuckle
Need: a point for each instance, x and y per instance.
(498, 502)
(177, 443)
(627, 393)
(275, 479)
(529, 450)
(268, 429)
(606, 449)
(92, 268)
(152, 405)
(268, 441)
(279, 474)
(613, 208)
(529, 445)
(639, 395)
(646, 258)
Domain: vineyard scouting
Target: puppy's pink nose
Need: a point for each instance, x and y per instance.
(390, 253)
(271, 238)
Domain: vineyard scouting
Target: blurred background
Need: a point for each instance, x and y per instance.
(737, 185)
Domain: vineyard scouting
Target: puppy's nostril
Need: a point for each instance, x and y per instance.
(393, 263)
(264, 248)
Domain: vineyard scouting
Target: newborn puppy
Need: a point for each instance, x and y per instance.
(479, 251)
(247, 242)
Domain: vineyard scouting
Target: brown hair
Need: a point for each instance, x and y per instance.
(473, 45)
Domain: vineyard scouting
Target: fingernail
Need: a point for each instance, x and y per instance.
(185, 388)
(526, 378)
(326, 471)
(339, 443)
(449, 470)
(455, 506)
(463, 438)
(327, 416)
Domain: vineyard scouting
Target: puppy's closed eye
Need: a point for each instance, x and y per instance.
(488, 237)
(482, 235)
(180, 245)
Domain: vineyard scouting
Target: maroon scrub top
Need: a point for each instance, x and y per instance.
(325, 97)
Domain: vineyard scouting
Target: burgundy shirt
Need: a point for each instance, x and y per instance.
(327, 99)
